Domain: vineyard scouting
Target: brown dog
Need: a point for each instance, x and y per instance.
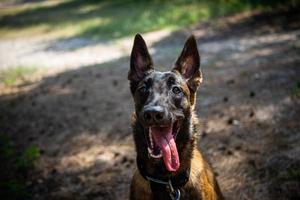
(164, 124)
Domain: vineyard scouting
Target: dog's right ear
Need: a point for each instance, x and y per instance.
(140, 61)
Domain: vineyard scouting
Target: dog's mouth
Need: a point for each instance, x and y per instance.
(161, 144)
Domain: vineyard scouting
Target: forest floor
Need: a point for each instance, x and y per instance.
(77, 111)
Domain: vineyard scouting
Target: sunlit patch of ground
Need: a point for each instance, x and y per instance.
(112, 19)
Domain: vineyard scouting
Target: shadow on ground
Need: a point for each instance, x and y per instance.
(248, 105)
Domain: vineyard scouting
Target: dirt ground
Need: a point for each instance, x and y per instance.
(248, 108)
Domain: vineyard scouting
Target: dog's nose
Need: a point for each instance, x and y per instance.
(154, 114)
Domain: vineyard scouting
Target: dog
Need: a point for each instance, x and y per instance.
(169, 165)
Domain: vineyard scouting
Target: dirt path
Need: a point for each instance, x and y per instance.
(248, 106)
(60, 54)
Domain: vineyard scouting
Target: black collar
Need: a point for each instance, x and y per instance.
(170, 185)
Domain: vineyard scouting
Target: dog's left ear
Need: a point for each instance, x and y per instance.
(188, 64)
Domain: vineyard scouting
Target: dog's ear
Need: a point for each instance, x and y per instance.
(188, 64)
(140, 61)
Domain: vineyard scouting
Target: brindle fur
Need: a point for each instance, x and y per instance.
(186, 75)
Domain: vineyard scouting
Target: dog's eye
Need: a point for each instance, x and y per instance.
(143, 89)
(176, 90)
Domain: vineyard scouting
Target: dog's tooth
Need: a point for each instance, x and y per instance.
(156, 156)
(160, 154)
(152, 155)
(149, 151)
(151, 140)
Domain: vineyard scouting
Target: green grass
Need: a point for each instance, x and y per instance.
(13, 75)
(295, 91)
(14, 168)
(103, 19)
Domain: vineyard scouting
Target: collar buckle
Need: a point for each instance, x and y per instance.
(174, 193)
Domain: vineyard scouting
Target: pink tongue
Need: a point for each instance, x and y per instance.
(164, 139)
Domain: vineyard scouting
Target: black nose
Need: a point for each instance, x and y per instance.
(154, 114)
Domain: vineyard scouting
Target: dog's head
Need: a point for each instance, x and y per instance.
(164, 100)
